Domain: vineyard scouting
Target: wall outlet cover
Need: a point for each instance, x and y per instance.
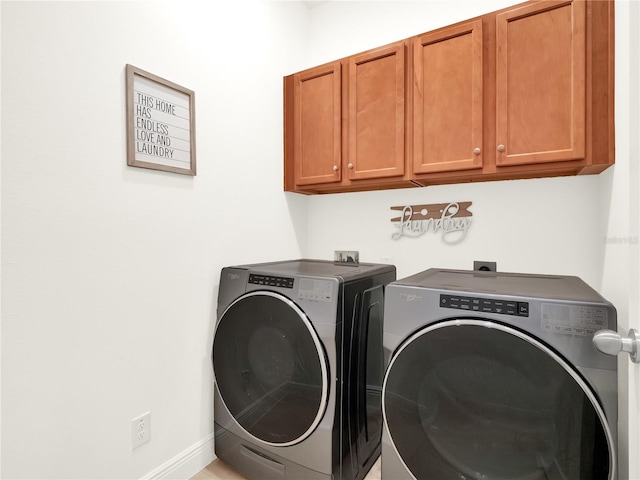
(140, 430)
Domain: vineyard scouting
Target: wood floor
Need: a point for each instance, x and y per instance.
(218, 470)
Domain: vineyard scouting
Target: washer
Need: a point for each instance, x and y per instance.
(298, 366)
(494, 376)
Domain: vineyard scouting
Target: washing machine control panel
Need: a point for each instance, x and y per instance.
(486, 305)
(271, 281)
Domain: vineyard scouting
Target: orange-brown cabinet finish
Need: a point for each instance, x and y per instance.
(376, 116)
(523, 92)
(540, 83)
(317, 100)
(448, 112)
(345, 123)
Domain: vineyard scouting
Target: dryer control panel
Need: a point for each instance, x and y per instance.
(486, 305)
(271, 281)
(583, 320)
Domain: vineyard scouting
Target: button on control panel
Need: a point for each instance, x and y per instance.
(580, 320)
(485, 305)
(271, 281)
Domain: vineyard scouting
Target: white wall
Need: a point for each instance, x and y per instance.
(584, 226)
(110, 273)
(621, 279)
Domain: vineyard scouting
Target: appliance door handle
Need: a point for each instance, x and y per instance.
(612, 343)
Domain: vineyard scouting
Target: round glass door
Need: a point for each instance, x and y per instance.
(270, 368)
(472, 399)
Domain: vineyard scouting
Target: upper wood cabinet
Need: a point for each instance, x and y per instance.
(523, 92)
(540, 83)
(345, 123)
(376, 115)
(447, 99)
(317, 113)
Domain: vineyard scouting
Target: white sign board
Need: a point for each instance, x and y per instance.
(160, 123)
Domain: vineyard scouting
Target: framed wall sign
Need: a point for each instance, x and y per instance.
(160, 123)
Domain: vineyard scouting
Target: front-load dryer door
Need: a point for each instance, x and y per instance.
(270, 368)
(473, 399)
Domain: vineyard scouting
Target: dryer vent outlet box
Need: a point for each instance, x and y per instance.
(346, 256)
(484, 266)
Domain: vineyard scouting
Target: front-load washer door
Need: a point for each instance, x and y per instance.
(270, 368)
(473, 399)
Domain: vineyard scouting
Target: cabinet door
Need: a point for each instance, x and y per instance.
(376, 113)
(317, 125)
(540, 95)
(448, 99)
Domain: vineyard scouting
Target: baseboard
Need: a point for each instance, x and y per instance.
(187, 463)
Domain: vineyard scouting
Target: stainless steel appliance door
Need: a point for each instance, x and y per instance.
(270, 368)
(468, 398)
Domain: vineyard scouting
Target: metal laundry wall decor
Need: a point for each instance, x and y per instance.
(452, 219)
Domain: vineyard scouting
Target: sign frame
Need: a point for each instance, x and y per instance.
(149, 140)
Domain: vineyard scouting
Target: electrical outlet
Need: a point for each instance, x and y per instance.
(140, 430)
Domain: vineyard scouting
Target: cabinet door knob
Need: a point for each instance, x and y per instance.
(350, 165)
(476, 151)
(335, 168)
(501, 148)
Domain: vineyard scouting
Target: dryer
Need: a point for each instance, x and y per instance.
(298, 367)
(494, 376)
